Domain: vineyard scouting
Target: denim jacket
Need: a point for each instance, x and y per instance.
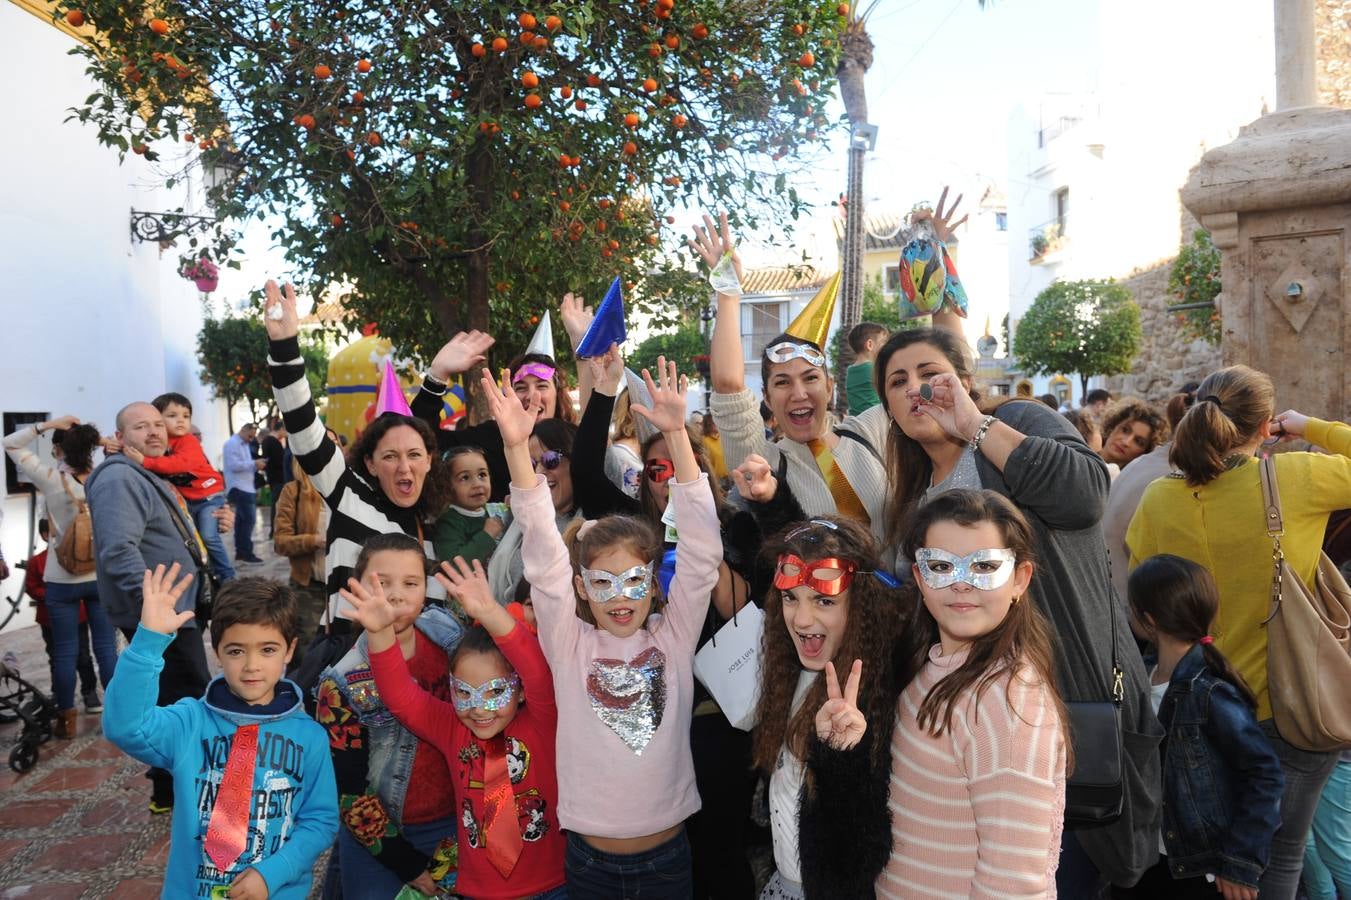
(1222, 782)
(391, 745)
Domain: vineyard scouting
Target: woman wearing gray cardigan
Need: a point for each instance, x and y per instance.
(939, 440)
(832, 471)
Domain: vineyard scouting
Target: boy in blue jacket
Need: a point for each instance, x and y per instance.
(256, 767)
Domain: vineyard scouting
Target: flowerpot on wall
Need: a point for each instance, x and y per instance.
(206, 285)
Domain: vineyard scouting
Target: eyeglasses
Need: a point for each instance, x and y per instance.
(984, 570)
(784, 351)
(489, 696)
(659, 470)
(551, 460)
(632, 584)
(828, 577)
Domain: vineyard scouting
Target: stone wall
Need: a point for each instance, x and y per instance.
(1332, 25)
(1167, 360)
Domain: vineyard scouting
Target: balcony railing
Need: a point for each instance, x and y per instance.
(1046, 239)
(1055, 128)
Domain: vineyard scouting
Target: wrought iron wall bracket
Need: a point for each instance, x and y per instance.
(165, 226)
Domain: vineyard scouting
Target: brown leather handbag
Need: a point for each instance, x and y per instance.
(1308, 642)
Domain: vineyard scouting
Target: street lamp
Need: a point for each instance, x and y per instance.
(706, 315)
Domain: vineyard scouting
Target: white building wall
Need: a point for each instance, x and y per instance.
(1174, 80)
(93, 319)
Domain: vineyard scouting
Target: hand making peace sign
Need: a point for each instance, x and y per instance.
(838, 721)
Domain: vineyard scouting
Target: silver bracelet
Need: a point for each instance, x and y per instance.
(981, 432)
(445, 385)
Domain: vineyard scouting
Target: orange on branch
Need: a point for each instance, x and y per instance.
(363, 65)
(337, 221)
(322, 71)
(75, 18)
(654, 49)
(533, 101)
(603, 203)
(630, 148)
(527, 38)
(540, 42)
(581, 105)
(593, 80)
(699, 31)
(479, 51)
(500, 44)
(673, 41)
(358, 97)
(373, 138)
(679, 121)
(565, 92)
(530, 80)
(807, 60)
(159, 26)
(631, 120)
(649, 84)
(527, 21)
(553, 23)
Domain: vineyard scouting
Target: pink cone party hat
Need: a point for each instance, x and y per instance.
(389, 394)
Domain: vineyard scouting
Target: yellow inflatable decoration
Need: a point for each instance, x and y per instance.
(353, 377)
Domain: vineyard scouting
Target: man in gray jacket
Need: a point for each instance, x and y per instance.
(140, 522)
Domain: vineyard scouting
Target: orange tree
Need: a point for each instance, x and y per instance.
(464, 164)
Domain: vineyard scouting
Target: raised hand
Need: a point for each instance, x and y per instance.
(951, 406)
(755, 479)
(712, 244)
(279, 311)
(370, 607)
(668, 398)
(61, 423)
(943, 225)
(468, 583)
(514, 421)
(460, 354)
(607, 370)
(576, 318)
(838, 721)
(160, 593)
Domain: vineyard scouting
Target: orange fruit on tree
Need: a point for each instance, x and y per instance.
(807, 60)
(630, 148)
(553, 23)
(565, 206)
(351, 154)
(500, 44)
(337, 220)
(581, 105)
(540, 42)
(679, 121)
(631, 120)
(603, 203)
(670, 220)
(593, 80)
(527, 21)
(373, 138)
(673, 41)
(75, 18)
(527, 38)
(532, 101)
(159, 26)
(358, 97)
(654, 49)
(614, 244)
(305, 121)
(652, 239)
(515, 195)
(649, 84)
(798, 29)
(699, 31)
(565, 92)
(842, 9)
(530, 80)
(479, 51)
(600, 225)
(607, 252)
(363, 65)
(138, 149)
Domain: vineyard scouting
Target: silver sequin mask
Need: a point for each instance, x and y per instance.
(632, 584)
(489, 696)
(984, 570)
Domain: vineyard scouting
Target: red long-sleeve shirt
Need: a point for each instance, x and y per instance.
(186, 456)
(530, 762)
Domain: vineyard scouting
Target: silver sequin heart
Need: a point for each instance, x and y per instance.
(630, 697)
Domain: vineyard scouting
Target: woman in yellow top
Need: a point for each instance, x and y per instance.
(1211, 512)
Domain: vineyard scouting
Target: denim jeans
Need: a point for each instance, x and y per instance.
(246, 513)
(662, 873)
(1305, 775)
(203, 516)
(365, 878)
(63, 605)
(84, 662)
(1327, 858)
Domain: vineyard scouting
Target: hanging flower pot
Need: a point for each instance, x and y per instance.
(201, 272)
(206, 284)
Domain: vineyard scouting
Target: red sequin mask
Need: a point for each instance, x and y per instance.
(829, 577)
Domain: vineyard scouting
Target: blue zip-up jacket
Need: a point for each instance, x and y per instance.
(1222, 782)
(294, 813)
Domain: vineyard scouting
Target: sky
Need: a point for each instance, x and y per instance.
(946, 74)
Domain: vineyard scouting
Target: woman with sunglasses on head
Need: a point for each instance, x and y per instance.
(551, 453)
(536, 379)
(832, 471)
(722, 753)
(940, 439)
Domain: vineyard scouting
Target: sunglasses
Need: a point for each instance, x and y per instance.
(984, 570)
(828, 577)
(659, 470)
(551, 460)
(785, 351)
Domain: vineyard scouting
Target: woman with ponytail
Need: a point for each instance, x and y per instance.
(1210, 511)
(1222, 781)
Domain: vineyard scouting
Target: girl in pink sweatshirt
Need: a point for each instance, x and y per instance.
(622, 658)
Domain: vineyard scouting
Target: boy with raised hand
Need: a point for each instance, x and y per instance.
(257, 765)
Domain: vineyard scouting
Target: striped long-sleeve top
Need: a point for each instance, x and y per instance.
(977, 811)
(358, 509)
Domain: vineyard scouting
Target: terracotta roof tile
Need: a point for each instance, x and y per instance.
(776, 279)
(881, 231)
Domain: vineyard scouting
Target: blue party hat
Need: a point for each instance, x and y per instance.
(608, 325)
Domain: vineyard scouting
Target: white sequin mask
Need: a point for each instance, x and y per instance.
(984, 570)
(632, 584)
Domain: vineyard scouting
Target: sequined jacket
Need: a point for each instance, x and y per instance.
(373, 753)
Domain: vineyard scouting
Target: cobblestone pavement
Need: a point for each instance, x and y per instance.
(77, 825)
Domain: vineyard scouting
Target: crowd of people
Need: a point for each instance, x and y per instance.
(494, 670)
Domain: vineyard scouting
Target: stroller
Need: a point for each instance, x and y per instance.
(21, 701)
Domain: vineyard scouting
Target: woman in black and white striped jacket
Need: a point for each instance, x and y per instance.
(399, 489)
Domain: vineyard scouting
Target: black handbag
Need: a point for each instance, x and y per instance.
(207, 584)
(1093, 791)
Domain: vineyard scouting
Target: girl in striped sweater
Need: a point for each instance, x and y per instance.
(980, 746)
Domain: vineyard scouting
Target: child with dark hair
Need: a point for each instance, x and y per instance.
(185, 466)
(266, 806)
(1222, 781)
(864, 339)
(522, 607)
(496, 733)
(466, 528)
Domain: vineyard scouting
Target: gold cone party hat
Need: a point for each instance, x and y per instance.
(813, 323)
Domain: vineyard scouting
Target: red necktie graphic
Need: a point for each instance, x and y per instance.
(228, 831)
(501, 827)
